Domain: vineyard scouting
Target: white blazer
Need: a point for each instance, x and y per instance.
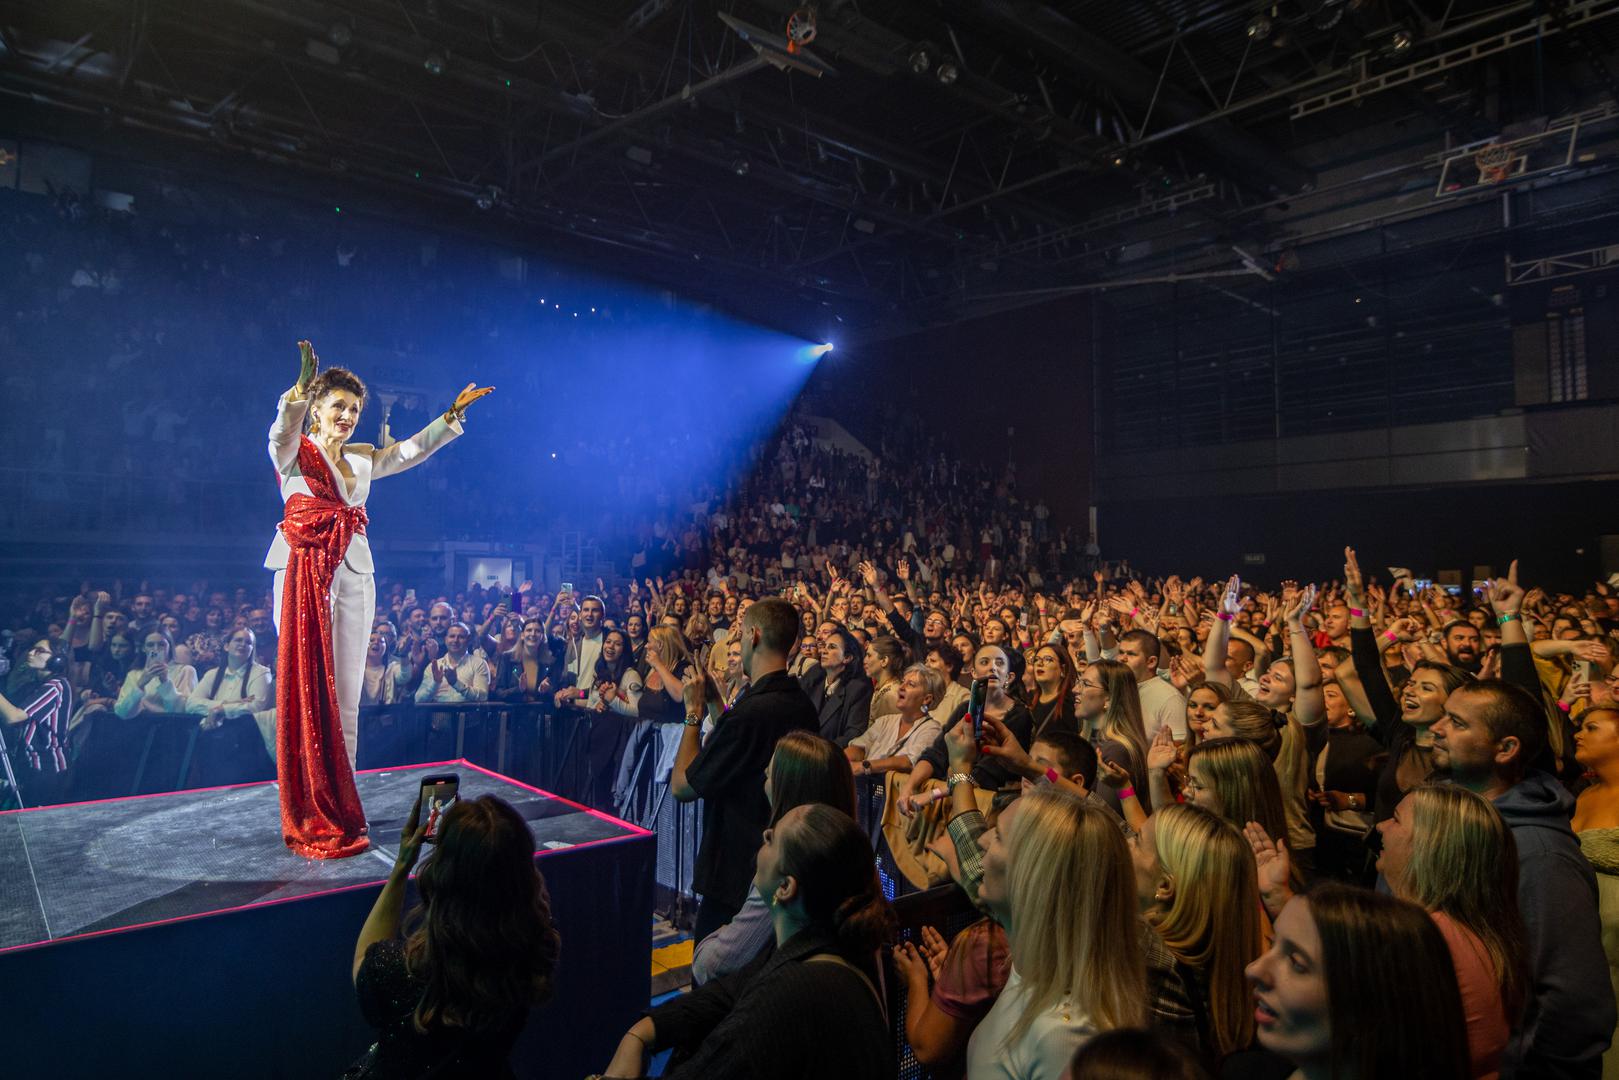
(368, 464)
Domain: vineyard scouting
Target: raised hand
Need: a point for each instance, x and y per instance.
(309, 364)
(1303, 600)
(1162, 752)
(1275, 867)
(868, 572)
(469, 393)
(1231, 602)
(694, 690)
(1184, 672)
(1113, 774)
(1405, 629)
(903, 569)
(1354, 583)
(962, 750)
(913, 964)
(1594, 651)
(1577, 687)
(1505, 594)
(934, 949)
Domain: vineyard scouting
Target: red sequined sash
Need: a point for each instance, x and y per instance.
(321, 816)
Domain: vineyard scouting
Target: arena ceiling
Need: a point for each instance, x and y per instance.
(916, 161)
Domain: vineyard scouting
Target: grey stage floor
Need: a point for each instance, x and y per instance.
(92, 867)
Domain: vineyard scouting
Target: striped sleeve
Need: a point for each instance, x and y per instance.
(46, 701)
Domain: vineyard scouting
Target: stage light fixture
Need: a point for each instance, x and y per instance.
(741, 166)
(434, 64)
(1401, 41)
(1259, 27)
(921, 61)
(340, 34)
(948, 73)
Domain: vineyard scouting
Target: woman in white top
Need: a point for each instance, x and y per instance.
(618, 685)
(228, 698)
(894, 742)
(160, 686)
(238, 687)
(1058, 878)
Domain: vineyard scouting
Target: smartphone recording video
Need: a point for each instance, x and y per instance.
(975, 708)
(438, 795)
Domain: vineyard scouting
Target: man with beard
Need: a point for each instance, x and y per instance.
(1462, 644)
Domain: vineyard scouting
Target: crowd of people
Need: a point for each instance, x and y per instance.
(1362, 827)
(1352, 828)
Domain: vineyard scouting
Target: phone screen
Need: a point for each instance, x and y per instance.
(438, 795)
(975, 708)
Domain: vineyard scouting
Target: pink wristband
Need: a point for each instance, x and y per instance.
(1133, 612)
(1357, 613)
(1394, 639)
(1223, 616)
(1126, 793)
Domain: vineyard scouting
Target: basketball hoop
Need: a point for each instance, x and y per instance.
(1494, 163)
(800, 28)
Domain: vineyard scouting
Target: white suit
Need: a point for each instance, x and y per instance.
(354, 594)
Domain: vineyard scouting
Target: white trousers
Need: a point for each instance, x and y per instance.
(354, 606)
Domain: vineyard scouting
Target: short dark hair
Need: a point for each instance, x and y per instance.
(1150, 645)
(1511, 713)
(335, 378)
(950, 655)
(1075, 754)
(777, 621)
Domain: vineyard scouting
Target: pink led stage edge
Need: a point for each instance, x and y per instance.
(631, 832)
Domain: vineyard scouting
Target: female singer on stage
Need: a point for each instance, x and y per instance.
(325, 596)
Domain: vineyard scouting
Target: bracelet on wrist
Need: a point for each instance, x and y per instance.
(1133, 612)
(1394, 639)
(1126, 792)
(1506, 617)
(1223, 616)
(1052, 776)
(1357, 613)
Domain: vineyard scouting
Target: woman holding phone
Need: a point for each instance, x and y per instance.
(449, 986)
(325, 594)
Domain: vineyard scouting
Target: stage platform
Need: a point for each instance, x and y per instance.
(177, 930)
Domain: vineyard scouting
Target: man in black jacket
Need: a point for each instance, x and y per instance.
(728, 773)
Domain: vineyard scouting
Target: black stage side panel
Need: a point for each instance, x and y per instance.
(174, 935)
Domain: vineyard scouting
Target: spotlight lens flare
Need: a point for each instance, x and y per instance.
(811, 353)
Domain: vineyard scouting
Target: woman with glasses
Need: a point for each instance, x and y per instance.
(35, 707)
